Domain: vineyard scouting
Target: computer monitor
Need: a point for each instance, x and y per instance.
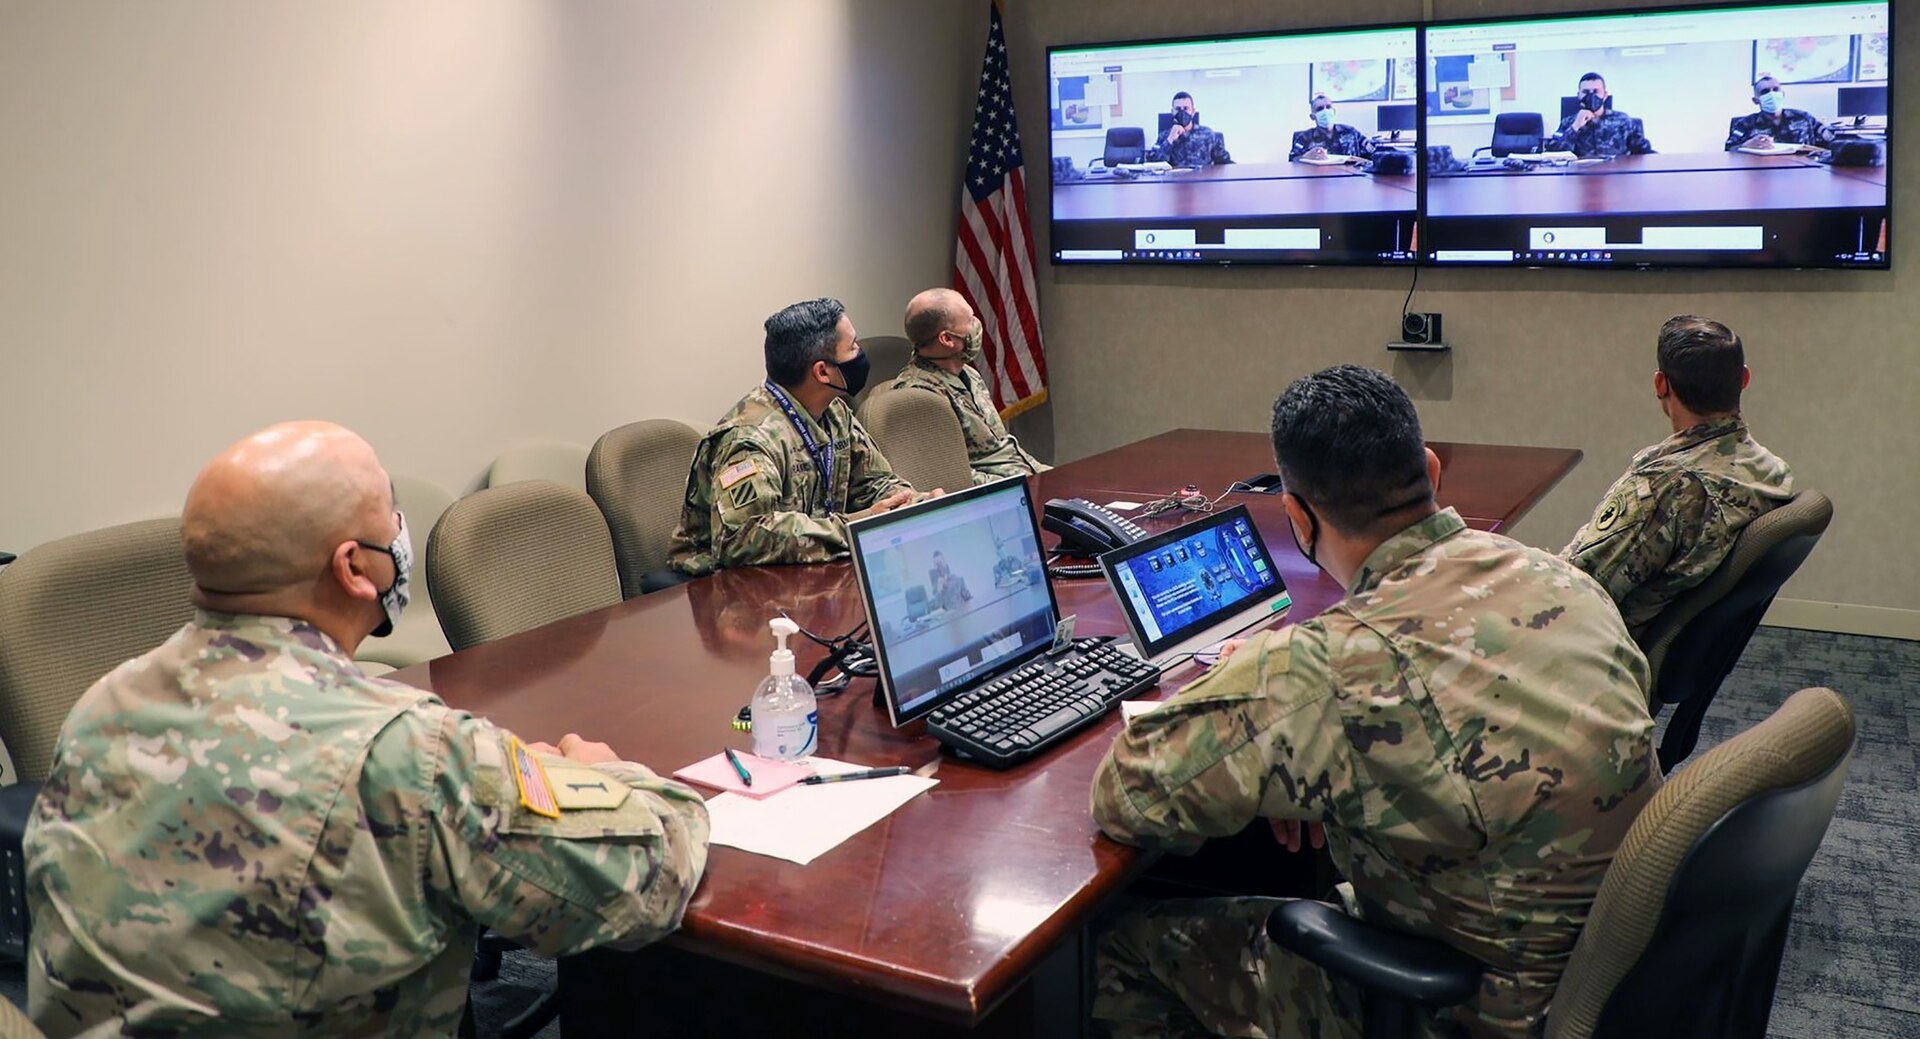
(1857, 102)
(1195, 584)
(1236, 191)
(1677, 168)
(1396, 118)
(956, 592)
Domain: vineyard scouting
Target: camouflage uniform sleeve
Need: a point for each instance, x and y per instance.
(1637, 143)
(1632, 536)
(1823, 135)
(1300, 146)
(1259, 737)
(871, 477)
(1562, 139)
(617, 876)
(1736, 132)
(1220, 156)
(1363, 145)
(750, 528)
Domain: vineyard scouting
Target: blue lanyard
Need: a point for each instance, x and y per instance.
(822, 459)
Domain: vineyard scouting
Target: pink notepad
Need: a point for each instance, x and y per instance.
(769, 776)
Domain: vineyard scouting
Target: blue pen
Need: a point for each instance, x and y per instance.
(738, 767)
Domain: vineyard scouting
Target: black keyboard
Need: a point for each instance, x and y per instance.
(1015, 716)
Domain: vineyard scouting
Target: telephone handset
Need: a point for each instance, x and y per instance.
(1086, 529)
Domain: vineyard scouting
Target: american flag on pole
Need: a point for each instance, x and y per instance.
(993, 263)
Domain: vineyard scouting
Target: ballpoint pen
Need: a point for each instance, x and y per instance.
(734, 760)
(871, 773)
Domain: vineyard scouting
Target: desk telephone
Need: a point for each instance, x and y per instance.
(1086, 529)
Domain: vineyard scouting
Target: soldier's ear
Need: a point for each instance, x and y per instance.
(1661, 387)
(348, 566)
(1746, 376)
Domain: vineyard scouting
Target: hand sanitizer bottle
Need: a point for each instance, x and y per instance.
(786, 718)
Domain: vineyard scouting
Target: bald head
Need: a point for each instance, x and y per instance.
(933, 312)
(266, 514)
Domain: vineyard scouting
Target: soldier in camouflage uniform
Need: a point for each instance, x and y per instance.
(1186, 142)
(1775, 123)
(1669, 522)
(1469, 725)
(1328, 137)
(946, 340)
(243, 834)
(777, 480)
(1600, 133)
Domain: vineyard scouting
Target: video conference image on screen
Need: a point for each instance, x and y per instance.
(1267, 149)
(1718, 137)
(955, 591)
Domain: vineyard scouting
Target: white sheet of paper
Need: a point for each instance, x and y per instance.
(802, 823)
(1123, 506)
(1131, 709)
(1778, 149)
(1330, 160)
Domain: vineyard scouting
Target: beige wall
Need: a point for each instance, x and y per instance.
(452, 226)
(1540, 357)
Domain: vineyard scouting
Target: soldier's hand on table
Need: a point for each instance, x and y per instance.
(1288, 833)
(586, 752)
(1315, 152)
(903, 496)
(1760, 141)
(937, 492)
(1229, 648)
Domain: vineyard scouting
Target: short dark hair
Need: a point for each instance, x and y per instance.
(799, 335)
(1763, 79)
(1180, 95)
(1592, 76)
(1704, 362)
(1319, 97)
(1347, 440)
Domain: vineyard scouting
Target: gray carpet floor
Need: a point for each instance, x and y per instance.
(1852, 966)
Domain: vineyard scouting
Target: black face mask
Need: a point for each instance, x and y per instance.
(1182, 117)
(1313, 531)
(1591, 101)
(855, 370)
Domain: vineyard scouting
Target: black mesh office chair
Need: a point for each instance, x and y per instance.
(1696, 640)
(1515, 133)
(1124, 144)
(1686, 934)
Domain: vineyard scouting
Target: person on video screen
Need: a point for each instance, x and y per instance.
(1775, 123)
(1186, 142)
(1596, 131)
(1328, 138)
(949, 589)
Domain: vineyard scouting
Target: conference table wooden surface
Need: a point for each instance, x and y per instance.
(1239, 189)
(1677, 183)
(944, 907)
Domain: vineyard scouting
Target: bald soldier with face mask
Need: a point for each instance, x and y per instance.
(244, 834)
(946, 336)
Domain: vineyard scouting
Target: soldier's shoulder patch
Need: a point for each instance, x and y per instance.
(737, 472)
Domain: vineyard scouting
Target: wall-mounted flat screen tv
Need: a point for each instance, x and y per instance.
(1299, 148)
(1751, 136)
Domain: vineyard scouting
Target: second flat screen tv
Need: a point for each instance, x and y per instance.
(1276, 149)
(1710, 137)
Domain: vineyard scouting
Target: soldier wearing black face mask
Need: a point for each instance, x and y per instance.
(781, 474)
(1596, 131)
(1186, 142)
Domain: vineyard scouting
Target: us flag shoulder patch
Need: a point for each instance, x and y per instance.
(736, 472)
(536, 795)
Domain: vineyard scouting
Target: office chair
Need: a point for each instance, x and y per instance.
(1696, 640)
(887, 355)
(418, 636)
(506, 559)
(562, 463)
(1515, 133)
(14, 1023)
(1685, 936)
(72, 610)
(1125, 144)
(637, 474)
(920, 436)
(916, 601)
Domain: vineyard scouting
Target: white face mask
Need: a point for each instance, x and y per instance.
(393, 601)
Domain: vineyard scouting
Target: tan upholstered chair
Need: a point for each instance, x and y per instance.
(14, 1024)
(74, 609)
(418, 636)
(1693, 644)
(921, 438)
(886, 355)
(506, 559)
(637, 474)
(564, 464)
(1685, 936)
